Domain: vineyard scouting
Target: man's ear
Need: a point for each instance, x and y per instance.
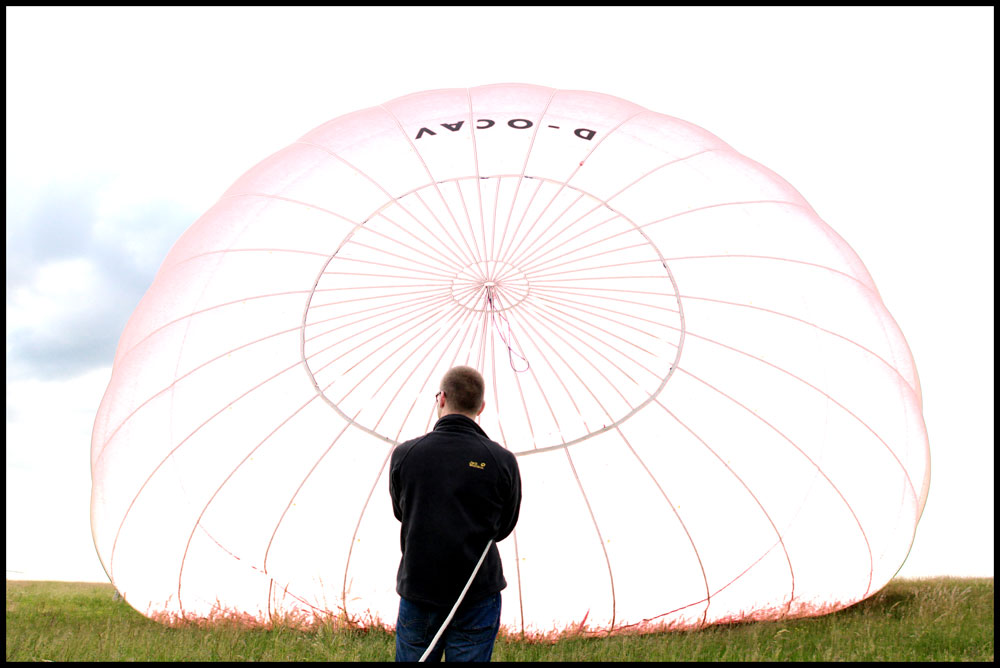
(481, 409)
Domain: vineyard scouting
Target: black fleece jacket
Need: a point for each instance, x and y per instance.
(453, 489)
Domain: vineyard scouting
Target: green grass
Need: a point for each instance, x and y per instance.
(940, 619)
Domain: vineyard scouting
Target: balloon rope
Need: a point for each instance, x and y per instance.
(496, 316)
(451, 614)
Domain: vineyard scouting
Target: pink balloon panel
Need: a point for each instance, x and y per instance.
(714, 414)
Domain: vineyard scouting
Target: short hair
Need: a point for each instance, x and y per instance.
(464, 389)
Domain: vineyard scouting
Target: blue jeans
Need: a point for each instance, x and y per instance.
(469, 637)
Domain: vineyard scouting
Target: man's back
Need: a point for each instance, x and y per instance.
(453, 489)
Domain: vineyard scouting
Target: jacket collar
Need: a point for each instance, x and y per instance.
(458, 422)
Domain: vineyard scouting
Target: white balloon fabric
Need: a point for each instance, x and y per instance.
(715, 416)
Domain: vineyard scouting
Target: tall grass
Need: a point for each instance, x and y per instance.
(940, 619)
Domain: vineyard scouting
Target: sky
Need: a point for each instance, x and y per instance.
(124, 125)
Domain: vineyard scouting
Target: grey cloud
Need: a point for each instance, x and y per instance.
(63, 227)
(56, 225)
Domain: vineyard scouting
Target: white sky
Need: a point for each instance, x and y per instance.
(124, 125)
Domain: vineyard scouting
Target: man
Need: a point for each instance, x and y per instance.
(454, 490)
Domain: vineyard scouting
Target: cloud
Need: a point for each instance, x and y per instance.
(79, 259)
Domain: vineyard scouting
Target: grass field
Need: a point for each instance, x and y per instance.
(941, 619)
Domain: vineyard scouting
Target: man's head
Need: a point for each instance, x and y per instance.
(462, 390)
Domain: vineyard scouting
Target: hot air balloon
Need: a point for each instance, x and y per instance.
(715, 416)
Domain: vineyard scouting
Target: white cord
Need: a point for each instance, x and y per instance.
(457, 603)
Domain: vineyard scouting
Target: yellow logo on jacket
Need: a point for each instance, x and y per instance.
(478, 465)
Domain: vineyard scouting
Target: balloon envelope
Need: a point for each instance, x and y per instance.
(715, 416)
